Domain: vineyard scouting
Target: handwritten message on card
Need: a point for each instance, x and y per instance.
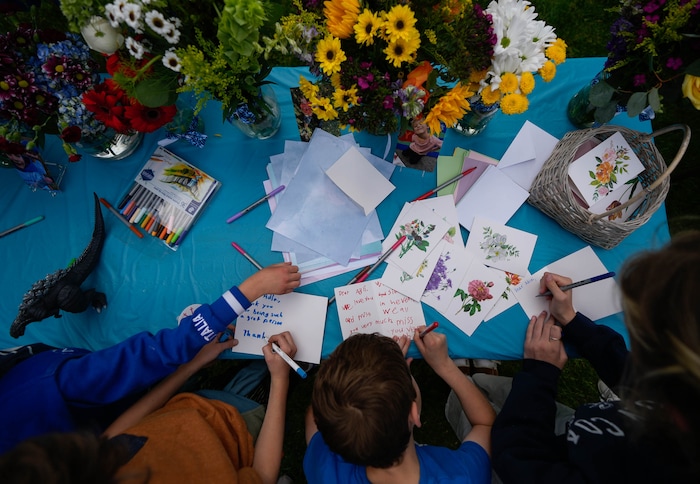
(371, 307)
(303, 315)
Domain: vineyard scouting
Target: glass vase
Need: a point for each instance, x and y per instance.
(476, 119)
(111, 145)
(580, 111)
(261, 118)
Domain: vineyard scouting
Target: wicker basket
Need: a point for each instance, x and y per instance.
(551, 191)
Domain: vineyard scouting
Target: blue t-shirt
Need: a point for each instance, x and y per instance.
(469, 463)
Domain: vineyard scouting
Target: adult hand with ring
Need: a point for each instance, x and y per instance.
(543, 341)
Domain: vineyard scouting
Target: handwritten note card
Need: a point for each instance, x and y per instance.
(371, 307)
(303, 315)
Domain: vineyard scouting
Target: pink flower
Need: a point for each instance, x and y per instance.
(479, 290)
(639, 80)
(674, 63)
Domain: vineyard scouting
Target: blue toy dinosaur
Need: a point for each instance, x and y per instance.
(61, 290)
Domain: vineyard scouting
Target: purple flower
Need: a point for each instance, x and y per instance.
(674, 63)
(639, 80)
(388, 102)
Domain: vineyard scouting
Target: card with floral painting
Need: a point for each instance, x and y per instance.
(610, 165)
(507, 299)
(499, 246)
(417, 147)
(423, 228)
(450, 269)
(474, 297)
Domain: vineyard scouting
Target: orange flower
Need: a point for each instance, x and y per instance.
(603, 172)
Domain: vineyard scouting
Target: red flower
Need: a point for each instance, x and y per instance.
(147, 119)
(11, 147)
(71, 134)
(106, 100)
(75, 157)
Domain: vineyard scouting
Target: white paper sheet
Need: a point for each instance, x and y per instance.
(303, 315)
(501, 247)
(527, 154)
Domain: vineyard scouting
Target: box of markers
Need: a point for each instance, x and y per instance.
(167, 196)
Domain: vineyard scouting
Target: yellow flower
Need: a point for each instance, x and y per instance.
(402, 50)
(366, 27)
(399, 22)
(308, 89)
(557, 51)
(548, 71)
(489, 97)
(514, 103)
(527, 82)
(329, 54)
(335, 80)
(449, 108)
(341, 16)
(691, 89)
(343, 98)
(323, 109)
(509, 83)
(430, 35)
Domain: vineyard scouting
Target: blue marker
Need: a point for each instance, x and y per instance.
(289, 361)
(580, 283)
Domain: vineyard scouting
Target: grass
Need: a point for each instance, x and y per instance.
(584, 25)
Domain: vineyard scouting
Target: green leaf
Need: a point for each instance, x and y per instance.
(155, 92)
(637, 103)
(605, 113)
(654, 100)
(694, 68)
(601, 94)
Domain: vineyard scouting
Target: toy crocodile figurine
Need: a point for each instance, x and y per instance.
(61, 290)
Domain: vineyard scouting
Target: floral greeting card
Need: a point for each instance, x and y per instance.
(603, 169)
(507, 299)
(474, 297)
(500, 246)
(452, 265)
(423, 228)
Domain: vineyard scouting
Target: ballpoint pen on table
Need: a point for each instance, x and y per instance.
(364, 273)
(447, 183)
(22, 225)
(121, 218)
(255, 204)
(246, 255)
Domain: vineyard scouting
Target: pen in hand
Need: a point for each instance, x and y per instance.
(288, 359)
(580, 283)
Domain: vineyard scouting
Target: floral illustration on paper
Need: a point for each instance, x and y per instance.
(611, 164)
(405, 277)
(416, 232)
(512, 280)
(477, 291)
(496, 248)
(616, 203)
(440, 279)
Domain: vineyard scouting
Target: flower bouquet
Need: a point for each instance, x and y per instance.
(383, 65)
(43, 75)
(654, 57)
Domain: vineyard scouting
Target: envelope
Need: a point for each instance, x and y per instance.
(526, 154)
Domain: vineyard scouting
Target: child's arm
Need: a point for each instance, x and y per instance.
(433, 347)
(268, 447)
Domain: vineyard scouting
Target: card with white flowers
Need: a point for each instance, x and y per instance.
(606, 167)
(499, 246)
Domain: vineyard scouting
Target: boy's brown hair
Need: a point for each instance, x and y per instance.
(361, 401)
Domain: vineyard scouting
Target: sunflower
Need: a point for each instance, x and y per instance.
(343, 98)
(450, 108)
(514, 103)
(324, 110)
(402, 50)
(366, 27)
(308, 89)
(341, 16)
(330, 55)
(399, 22)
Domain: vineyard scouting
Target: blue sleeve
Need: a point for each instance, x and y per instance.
(107, 375)
(602, 346)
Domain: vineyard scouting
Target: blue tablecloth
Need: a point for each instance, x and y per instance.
(147, 285)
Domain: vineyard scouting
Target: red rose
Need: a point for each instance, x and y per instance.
(74, 158)
(71, 134)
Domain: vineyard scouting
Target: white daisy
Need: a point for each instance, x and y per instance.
(171, 60)
(542, 34)
(176, 22)
(113, 14)
(172, 35)
(132, 15)
(135, 48)
(156, 21)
